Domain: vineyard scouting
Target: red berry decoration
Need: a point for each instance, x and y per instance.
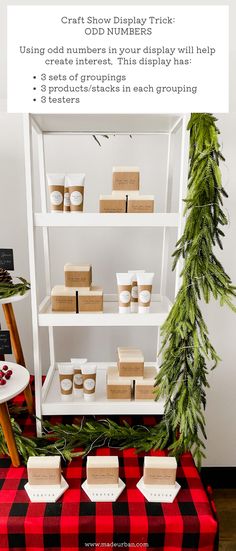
(2, 382)
(9, 372)
(5, 368)
(8, 375)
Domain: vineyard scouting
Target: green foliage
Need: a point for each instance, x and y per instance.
(10, 289)
(186, 348)
(79, 439)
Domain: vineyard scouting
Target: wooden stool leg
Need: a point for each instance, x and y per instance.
(8, 434)
(17, 349)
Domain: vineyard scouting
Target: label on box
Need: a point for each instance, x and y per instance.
(7, 259)
(62, 303)
(131, 369)
(159, 476)
(90, 303)
(77, 279)
(144, 392)
(145, 205)
(5, 343)
(111, 205)
(47, 477)
(118, 392)
(104, 475)
(125, 181)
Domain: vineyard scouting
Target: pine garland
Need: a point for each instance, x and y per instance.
(65, 440)
(186, 347)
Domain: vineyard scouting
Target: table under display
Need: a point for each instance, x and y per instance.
(189, 523)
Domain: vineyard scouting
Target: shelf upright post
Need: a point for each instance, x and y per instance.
(165, 242)
(183, 182)
(46, 250)
(32, 266)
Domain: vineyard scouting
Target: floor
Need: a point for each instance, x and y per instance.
(225, 501)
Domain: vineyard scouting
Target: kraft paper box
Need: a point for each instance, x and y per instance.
(118, 388)
(159, 471)
(130, 362)
(63, 299)
(144, 387)
(110, 203)
(125, 178)
(78, 276)
(44, 471)
(102, 470)
(139, 204)
(91, 301)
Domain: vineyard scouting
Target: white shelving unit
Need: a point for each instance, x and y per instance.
(48, 395)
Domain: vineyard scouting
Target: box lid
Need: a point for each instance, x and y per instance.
(114, 378)
(125, 169)
(122, 194)
(102, 461)
(118, 197)
(61, 290)
(142, 198)
(72, 268)
(148, 376)
(94, 291)
(44, 462)
(130, 355)
(161, 462)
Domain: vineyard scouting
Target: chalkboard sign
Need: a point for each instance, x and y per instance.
(5, 342)
(7, 259)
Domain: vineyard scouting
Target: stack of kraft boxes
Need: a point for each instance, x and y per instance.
(130, 380)
(125, 193)
(78, 294)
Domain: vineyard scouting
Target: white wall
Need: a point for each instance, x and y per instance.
(117, 250)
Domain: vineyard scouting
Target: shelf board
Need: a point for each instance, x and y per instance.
(96, 219)
(106, 124)
(53, 405)
(110, 317)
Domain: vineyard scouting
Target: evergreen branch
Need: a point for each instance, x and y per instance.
(182, 379)
(11, 289)
(77, 440)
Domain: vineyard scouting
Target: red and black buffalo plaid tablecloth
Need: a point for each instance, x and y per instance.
(74, 523)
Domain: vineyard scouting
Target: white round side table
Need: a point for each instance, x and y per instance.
(7, 306)
(14, 386)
